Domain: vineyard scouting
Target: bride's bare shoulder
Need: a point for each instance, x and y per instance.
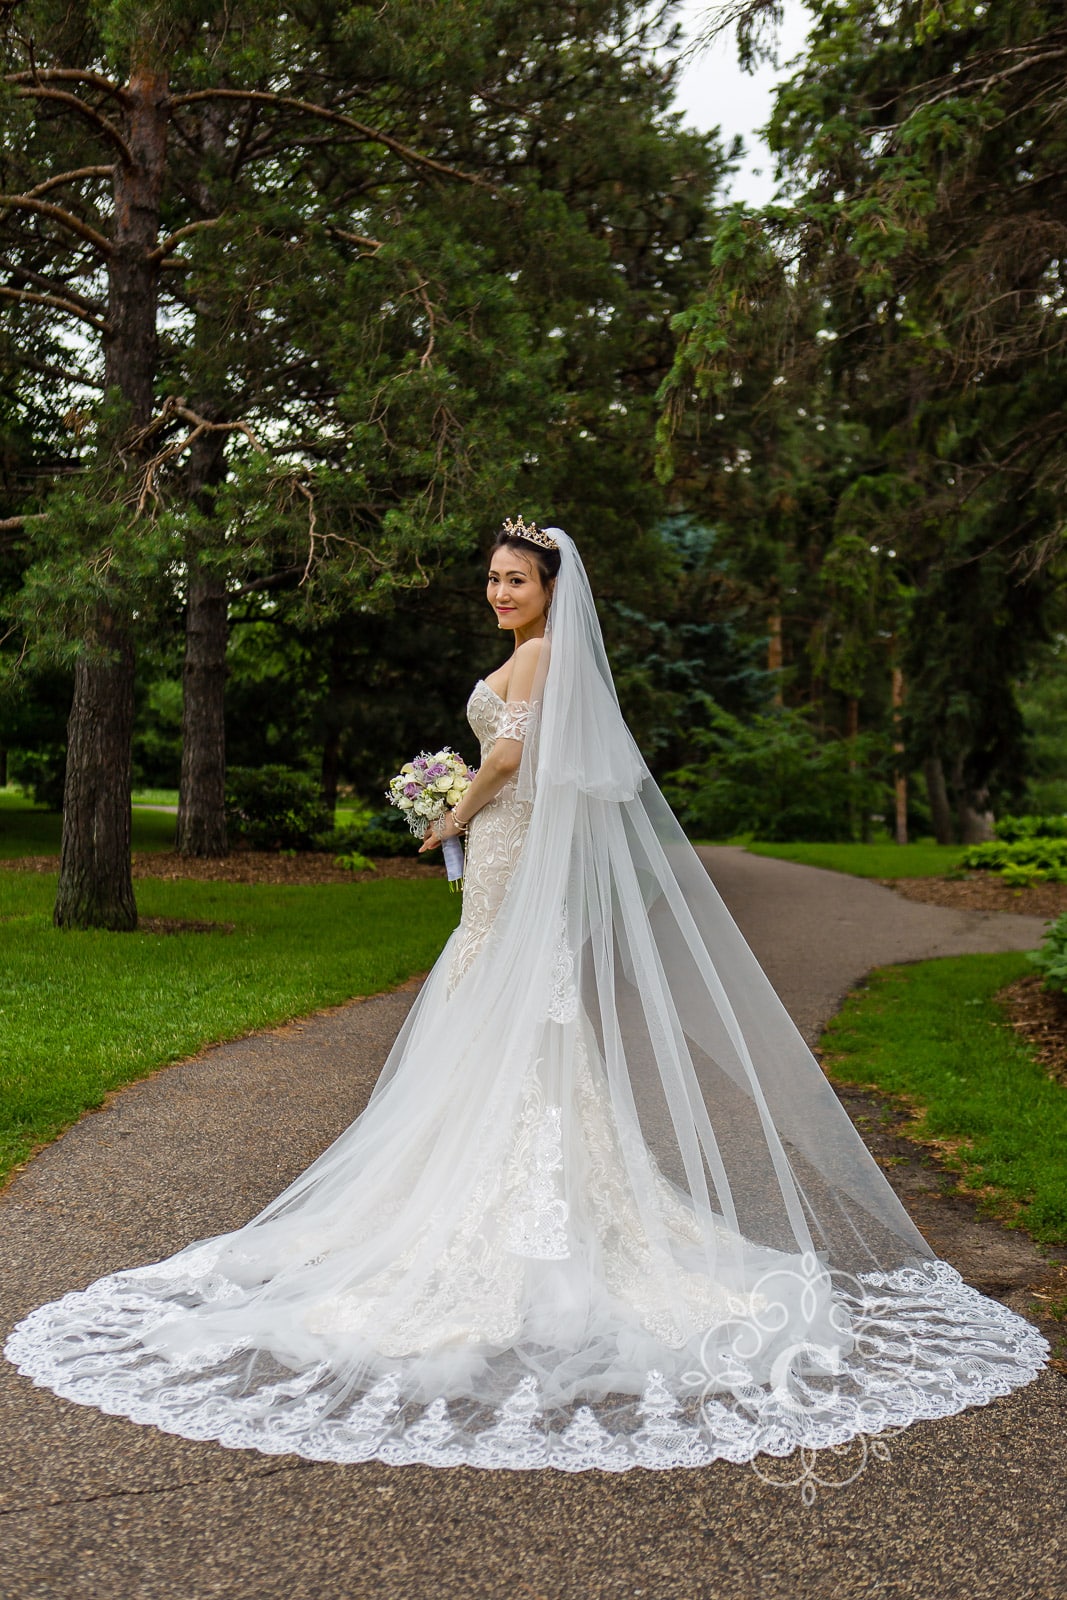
(523, 661)
(524, 669)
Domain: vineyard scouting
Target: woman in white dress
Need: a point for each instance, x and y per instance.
(602, 1208)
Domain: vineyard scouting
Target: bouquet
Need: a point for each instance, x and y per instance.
(423, 789)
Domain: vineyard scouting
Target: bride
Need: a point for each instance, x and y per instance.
(602, 1209)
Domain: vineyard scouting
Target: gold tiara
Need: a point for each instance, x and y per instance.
(530, 531)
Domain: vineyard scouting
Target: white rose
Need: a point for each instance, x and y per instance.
(454, 796)
(405, 804)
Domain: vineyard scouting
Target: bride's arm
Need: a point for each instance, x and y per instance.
(502, 762)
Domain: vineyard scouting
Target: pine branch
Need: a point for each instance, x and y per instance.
(64, 291)
(68, 177)
(72, 75)
(54, 300)
(13, 524)
(182, 233)
(340, 118)
(48, 369)
(176, 407)
(106, 127)
(66, 219)
(373, 245)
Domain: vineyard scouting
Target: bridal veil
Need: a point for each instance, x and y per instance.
(602, 1209)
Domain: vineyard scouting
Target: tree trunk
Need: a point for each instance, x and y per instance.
(202, 796)
(900, 782)
(975, 821)
(774, 655)
(332, 720)
(937, 795)
(95, 885)
(973, 817)
(331, 754)
(202, 793)
(852, 733)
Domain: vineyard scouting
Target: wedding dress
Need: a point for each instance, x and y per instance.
(602, 1209)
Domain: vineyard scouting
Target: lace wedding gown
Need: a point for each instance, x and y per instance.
(533, 1248)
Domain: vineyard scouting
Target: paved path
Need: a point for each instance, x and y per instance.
(95, 1508)
(818, 933)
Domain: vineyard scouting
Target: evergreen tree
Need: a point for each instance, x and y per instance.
(315, 265)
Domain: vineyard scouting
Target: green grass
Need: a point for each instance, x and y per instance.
(882, 860)
(82, 1013)
(932, 1033)
(155, 797)
(27, 831)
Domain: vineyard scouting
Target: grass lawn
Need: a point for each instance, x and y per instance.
(882, 860)
(81, 1013)
(932, 1033)
(27, 831)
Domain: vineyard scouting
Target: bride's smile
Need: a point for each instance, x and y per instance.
(517, 594)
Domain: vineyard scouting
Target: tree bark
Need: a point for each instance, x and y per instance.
(332, 718)
(202, 791)
(900, 780)
(95, 884)
(774, 654)
(976, 825)
(937, 795)
(331, 754)
(202, 796)
(973, 816)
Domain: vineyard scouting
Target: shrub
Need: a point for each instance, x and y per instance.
(1051, 959)
(1011, 829)
(386, 834)
(355, 862)
(41, 774)
(1020, 861)
(374, 834)
(772, 777)
(275, 808)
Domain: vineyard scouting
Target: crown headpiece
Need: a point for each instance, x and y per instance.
(519, 529)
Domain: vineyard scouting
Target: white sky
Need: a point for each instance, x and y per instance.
(714, 92)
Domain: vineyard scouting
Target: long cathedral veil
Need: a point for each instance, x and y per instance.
(602, 1209)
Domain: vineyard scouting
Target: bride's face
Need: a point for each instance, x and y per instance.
(515, 590)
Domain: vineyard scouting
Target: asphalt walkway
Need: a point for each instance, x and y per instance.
(94, 1506)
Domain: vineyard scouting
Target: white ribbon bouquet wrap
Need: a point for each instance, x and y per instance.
(424, 789)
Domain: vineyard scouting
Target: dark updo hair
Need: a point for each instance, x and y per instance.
(547, 562)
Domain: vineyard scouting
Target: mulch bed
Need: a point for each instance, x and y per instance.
(1040, 1018)
(982, 891)
(250, 866)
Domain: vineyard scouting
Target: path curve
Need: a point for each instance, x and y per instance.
(818, 933)
(93, 1506)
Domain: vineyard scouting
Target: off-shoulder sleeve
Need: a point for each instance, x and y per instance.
(513, 720)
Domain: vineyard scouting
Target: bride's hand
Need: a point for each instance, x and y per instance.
(430, 841)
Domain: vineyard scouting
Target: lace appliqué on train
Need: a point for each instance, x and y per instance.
(536, 1217)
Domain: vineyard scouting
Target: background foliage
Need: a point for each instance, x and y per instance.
(808, 453)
